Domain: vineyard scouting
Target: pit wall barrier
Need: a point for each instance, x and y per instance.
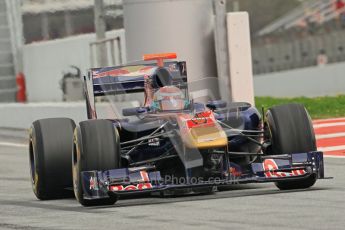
(16, 115)
(327, 80)
(44, 63)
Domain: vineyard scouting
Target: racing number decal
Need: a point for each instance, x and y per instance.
(143, 184)
(269, 166)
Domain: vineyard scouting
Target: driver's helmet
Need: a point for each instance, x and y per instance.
(168, 98)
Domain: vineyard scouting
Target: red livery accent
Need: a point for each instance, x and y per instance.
(141, 186)
(116, 188)
(269, 165)
(204, 118)
(112, 73)
(92, 183)
(234, 172)
(130, 187)
(144, 178)
(144, 186)
(159, 57)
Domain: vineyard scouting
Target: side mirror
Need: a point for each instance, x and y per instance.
(219, 104)
(134, 111)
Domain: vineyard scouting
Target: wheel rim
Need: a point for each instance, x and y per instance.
(75, 166)
(32, 162)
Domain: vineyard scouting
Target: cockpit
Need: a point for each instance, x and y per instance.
(168, 98)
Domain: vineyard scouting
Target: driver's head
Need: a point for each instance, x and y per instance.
(169, 98)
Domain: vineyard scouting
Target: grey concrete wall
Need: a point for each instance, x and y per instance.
(184, 26)
(8, 86)
(45, 62)
(292, 53)
(309, 82)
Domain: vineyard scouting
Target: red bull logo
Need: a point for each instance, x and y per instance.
(270, 167)
(143, 184)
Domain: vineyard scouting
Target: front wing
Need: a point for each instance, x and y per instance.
(102, 184)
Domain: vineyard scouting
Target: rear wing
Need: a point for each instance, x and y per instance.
(130, 78)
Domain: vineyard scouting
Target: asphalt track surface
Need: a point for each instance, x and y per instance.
(258, 206)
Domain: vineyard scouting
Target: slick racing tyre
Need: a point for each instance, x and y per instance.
(291, 131)
(50, 157)
(96, 147)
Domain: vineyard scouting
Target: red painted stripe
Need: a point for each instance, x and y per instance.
(334, 153)
(324, 121)
(328, 130)
(330, 142)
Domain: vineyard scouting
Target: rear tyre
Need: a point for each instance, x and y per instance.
(96, 147)
(291, 131)
(50, 144)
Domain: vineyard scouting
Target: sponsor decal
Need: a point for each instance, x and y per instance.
(93, 184)
(173, 68)
(233, 171)
(269, 166)
(123, 72)
(146, 69)
(154, 142)
(140, 186)
(143, 184)
(112, 73)
(203, 118)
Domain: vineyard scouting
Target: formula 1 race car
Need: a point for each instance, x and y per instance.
(170, 144)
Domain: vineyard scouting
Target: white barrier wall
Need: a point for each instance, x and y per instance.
(45, 62)
(310, 82)
(183, 26)
(240, 57)
(17, 115)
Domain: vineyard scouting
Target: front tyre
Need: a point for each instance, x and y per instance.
(290, 130)
(96, 147)
(50, 142)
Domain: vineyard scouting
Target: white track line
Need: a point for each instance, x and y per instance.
(331, 148)
(329, 120)
(10, 144)
(329, 125)
(333, 156)
(331, 135)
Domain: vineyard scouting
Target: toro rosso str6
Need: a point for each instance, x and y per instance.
(169, 143)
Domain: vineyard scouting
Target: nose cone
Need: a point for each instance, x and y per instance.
(208, 137)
